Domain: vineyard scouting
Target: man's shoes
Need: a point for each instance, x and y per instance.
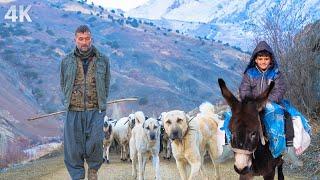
(291, 154)
(227, 154)
(92, 174)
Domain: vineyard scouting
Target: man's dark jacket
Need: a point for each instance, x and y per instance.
(102, 75)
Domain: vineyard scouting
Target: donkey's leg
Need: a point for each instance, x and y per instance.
(246, 177)
(280, 173)
(269, 176)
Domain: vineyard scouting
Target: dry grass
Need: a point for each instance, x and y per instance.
(53, 168)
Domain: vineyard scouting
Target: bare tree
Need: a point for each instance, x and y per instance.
(296, 51)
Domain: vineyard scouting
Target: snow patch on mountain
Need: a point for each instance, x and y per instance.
(153, 9)
(6, 1)
(76, 7)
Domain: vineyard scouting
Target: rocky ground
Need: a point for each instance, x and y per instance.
(52, 167)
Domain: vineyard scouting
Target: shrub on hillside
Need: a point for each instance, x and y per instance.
(101, 7)
(50, 32)
(65, 15)
(120, 21)
(19, 32)
(38, 27)
(30, 75)
(92, 19)
(110, 17)
(61, 41)
(133, 22)
(2, 44)
(113, 44)
(190, 86)
(114, 87)
(38, 93)
(143, 101)
(14, 152)
(5, 32)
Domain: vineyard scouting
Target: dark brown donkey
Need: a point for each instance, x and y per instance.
(252, 154)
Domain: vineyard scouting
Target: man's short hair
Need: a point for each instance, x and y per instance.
(82, 29)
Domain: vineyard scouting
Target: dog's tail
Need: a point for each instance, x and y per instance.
(207, 108)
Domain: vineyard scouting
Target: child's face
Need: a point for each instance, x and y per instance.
(263, 62)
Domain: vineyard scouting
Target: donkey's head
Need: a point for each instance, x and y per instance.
(245, 125)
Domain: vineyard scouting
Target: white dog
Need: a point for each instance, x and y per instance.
(122, 134)
(145, 141)
(191, 138)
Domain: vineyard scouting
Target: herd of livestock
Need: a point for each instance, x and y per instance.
(188, 137)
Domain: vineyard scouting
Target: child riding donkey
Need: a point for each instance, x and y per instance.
(277, 115)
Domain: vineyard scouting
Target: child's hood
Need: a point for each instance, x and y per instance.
(262, 45)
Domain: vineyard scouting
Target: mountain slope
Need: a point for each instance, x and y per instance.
(163, 68)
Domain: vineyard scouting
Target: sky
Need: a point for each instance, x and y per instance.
(125, 5)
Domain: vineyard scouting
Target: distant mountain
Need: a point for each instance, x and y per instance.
(165, 69)
(227, 21)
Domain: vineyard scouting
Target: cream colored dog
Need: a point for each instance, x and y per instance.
(191, 138)
(145, 142)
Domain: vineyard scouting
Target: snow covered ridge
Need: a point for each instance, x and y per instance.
(206, 11)
(227, 21)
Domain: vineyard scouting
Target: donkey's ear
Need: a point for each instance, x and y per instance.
(262, 99)
(228, 96)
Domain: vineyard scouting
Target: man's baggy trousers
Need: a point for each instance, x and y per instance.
(83, 140)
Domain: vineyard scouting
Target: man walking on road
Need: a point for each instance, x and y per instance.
(84, 80)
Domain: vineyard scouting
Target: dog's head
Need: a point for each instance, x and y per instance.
(131, 120)
(152, 128)
(160, 120)
(175, 124)
(107, 127)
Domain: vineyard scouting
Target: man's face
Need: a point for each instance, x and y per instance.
(263, 62)
(83, 41)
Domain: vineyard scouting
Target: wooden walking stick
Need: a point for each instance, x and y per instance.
(60, 112)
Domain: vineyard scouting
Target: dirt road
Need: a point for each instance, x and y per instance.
(53, 169)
